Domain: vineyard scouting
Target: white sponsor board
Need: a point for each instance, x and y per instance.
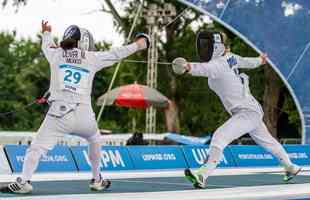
(4, 164)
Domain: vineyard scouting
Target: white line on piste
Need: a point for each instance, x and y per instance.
(240, 193)
(143, 174)
(167, 183)
(151, 182)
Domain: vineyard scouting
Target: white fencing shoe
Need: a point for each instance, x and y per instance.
(18, 187)
(198, 180)
(100, 185)
(291, 172)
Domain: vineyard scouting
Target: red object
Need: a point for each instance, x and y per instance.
(131, 96)
(134, 96)
(41, 100)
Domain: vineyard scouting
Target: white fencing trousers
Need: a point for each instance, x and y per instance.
(64, 118)
(247, 121)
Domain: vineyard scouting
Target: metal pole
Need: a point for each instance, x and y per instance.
(119, 64)
(155, 16)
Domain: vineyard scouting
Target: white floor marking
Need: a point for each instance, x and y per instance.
(144, 174)
(282, 191)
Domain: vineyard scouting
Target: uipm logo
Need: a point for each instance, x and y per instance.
(201, 155)
(108, 158)
(112, 157)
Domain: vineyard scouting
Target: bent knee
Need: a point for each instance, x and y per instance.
(94, 138)
(219, 141)
(218, 144)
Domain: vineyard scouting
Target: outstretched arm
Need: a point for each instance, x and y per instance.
(250, 63)
(108, 58)
(211, 70)
(48, 45)
(208, 69)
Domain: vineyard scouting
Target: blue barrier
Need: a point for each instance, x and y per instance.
(4, 164)
(56, 160)
(196, 156)
(112, 158)
(153, 157)
(252, 156)
(157, 157)
(299, 154)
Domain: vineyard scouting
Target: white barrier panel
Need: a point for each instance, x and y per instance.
(4, 164)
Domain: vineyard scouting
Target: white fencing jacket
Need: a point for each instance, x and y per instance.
(224, 79)
(73, 71)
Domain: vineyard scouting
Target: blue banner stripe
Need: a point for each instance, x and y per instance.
(252, 156)
(63, 158)
(157, 157)
(197, 155)
(58, 159)
(112, 158)
(299, 154)
(74, 67)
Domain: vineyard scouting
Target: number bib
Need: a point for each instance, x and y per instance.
(74, 79)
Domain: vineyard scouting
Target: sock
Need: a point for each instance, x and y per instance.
(283, 157)
(278, 151)
(31, 162)
(214, 157)
(94, 158)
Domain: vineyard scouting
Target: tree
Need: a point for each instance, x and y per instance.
(24, 73)
(15, 3)
(271, 100)
(196, 109)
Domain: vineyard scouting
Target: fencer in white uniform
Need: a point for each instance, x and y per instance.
(73, 66)
(222, 69)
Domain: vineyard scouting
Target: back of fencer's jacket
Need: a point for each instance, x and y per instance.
(73, 71)
(225, 80)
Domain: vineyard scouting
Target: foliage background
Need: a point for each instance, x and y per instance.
(24, 76)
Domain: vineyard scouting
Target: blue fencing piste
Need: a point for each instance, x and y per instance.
(59, 159)
(252, 156)
(197, 155)
(157, 157)
(289, 54)
(112, 158)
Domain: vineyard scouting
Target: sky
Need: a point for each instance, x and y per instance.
(60, 14)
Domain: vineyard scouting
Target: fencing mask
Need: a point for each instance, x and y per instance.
(76, 37)
(209, 45)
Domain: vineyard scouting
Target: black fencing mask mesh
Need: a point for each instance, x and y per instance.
(209, 45)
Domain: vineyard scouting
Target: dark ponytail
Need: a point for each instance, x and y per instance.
(68, 44)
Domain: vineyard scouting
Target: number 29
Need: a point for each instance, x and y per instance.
(72, 77)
